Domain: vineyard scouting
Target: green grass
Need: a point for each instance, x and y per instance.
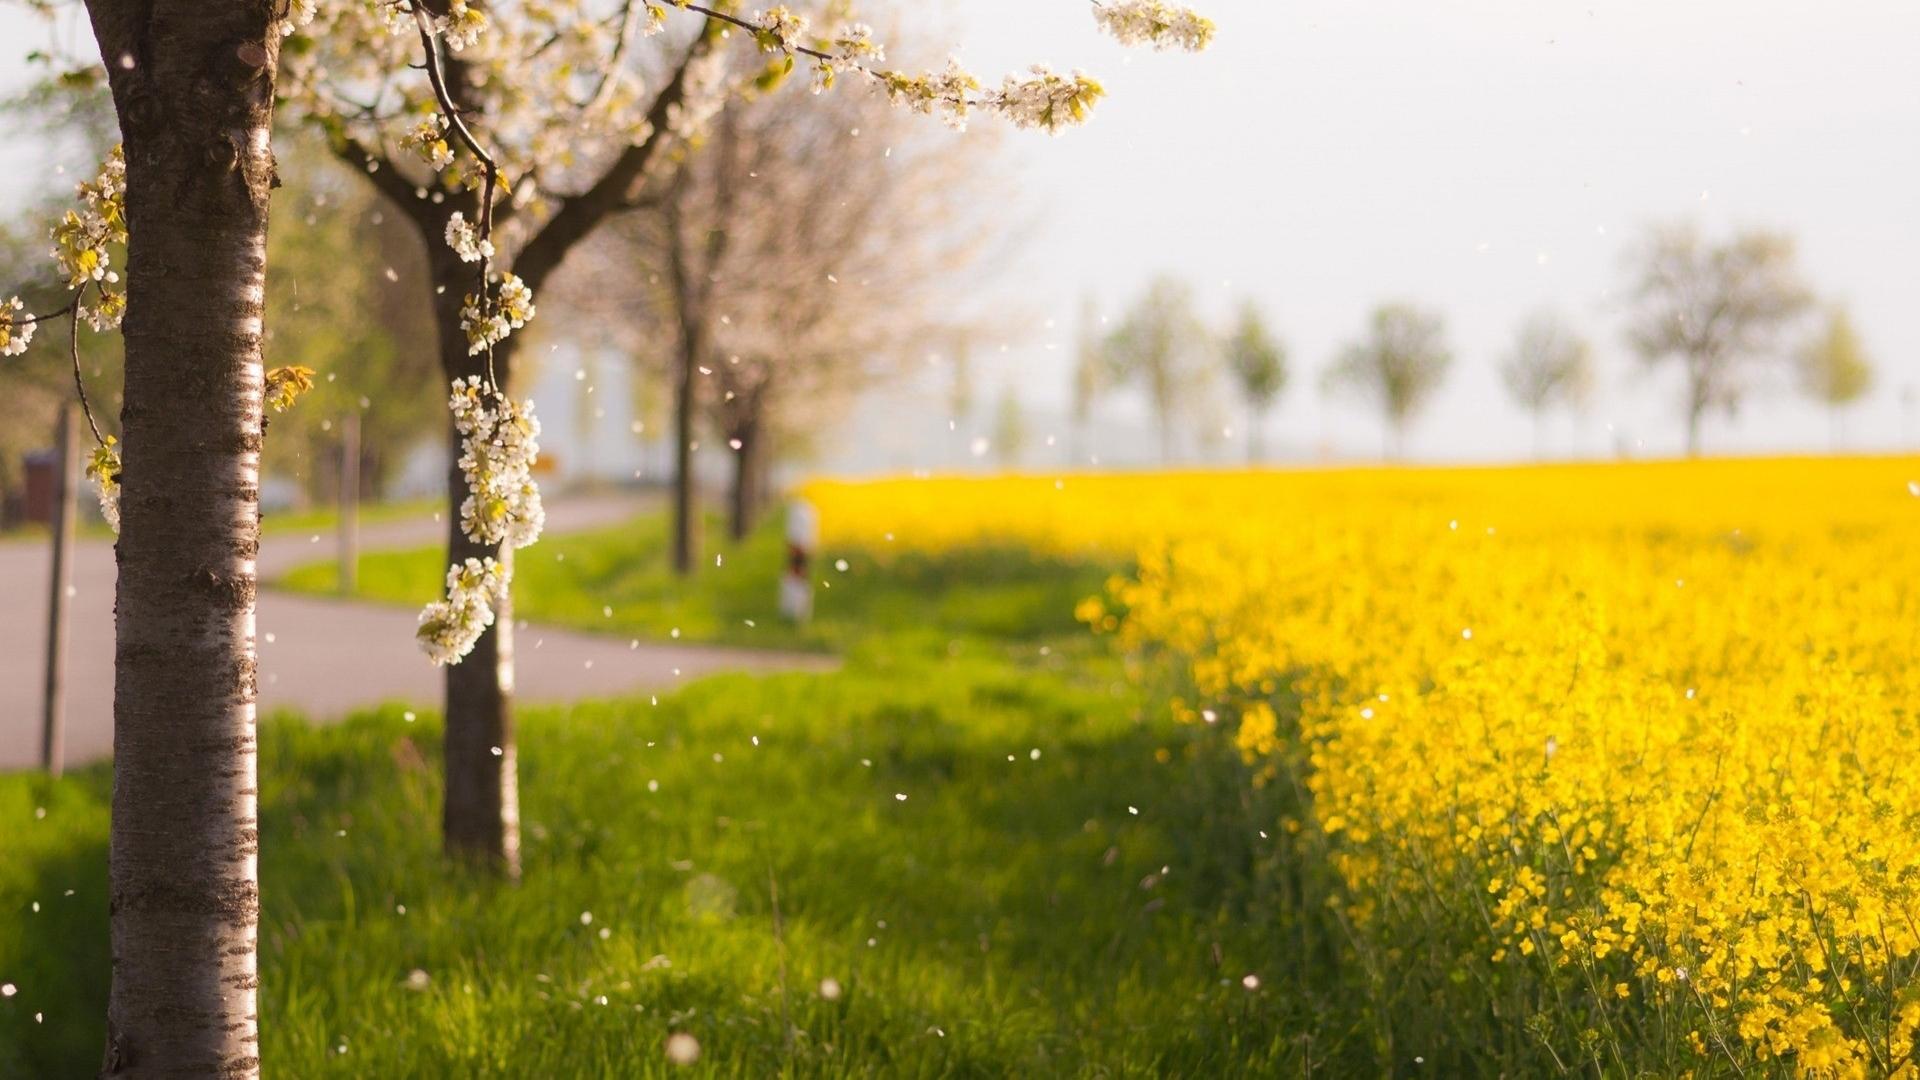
(272, 522)
(1012, 916)
(325, 519)
(617, 581)
(1069, 886)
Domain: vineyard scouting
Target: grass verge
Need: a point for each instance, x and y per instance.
(1002, 866)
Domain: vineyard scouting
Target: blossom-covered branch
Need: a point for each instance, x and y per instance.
(83, 239)
(1042, 98)
(548, 90)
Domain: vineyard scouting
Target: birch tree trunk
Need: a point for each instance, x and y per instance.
(192, 83)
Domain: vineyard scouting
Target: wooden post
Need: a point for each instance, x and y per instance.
(60, 583)
(349, 543)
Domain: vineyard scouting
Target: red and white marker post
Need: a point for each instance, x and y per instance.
(796, 585)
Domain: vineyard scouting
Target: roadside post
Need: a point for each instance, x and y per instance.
(66, 480)
(796, 585)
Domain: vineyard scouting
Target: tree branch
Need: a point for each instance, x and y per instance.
(615, 190)
(380, 170)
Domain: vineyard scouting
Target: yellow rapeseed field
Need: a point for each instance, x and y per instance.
(1645, 736)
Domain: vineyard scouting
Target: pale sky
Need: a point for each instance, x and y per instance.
(1482, 158)
(1478, 157)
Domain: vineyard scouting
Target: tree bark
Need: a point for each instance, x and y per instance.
(686, 529)
(192, 83)
(744, 499)
(693, 346)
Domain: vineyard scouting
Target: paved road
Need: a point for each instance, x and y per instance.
(324, 657)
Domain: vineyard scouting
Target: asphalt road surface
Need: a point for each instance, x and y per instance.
(324, 657)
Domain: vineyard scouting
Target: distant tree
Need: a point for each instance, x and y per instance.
(1009, 428)
(1550, 366)
(1258, 364)
(1835, 369)
(1089, 375)
(1396, 369)
(785, 294)
(1162, 346)
(1716, 308)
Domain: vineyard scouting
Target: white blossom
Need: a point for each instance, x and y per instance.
(105, 313)
(853, 47)
(487, 320)
(499, 444)
(780, 29)
(461, 26)
(103, 468)
(15, 332)
(82, 237)
(428, 138)
(656, 19)
(299, 14)
(1154, 22)
(1046, 99)
(465, 240)
(943, 93)
(450, 628)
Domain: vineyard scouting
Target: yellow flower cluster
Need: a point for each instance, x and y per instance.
(1650, 731)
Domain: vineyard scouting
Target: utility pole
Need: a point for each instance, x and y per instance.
(349, 543)
(66, 481)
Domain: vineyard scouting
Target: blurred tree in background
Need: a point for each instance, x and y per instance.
(1089, 377)
(334, 304)
(1715, 308)
(1162, 347)
(1396, 368)
(1258, 364)
(1834, 368)
(1551, 366)
(797, 259)
(1009, 428)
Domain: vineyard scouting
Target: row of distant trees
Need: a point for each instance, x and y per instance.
(1718, 311)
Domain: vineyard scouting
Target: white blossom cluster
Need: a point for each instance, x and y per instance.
(779, 29)
(465, 240)
(1041, 99)
(461, 26)
(299, 14)
(656, 17)
(853, 47)
(450, 628)
(15, 332)
(1046, 100)
(82, 241)
(944, 93)
(428, 138)
(499, 443)
(487, 320)
(103, 468)
(1156, 23)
